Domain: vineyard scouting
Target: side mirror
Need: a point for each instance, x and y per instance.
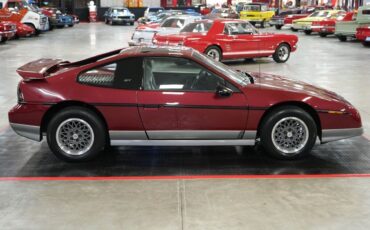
(223, 91)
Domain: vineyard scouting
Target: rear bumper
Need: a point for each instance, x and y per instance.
(28, 131)
(338, 134)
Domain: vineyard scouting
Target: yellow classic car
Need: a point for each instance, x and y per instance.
(257, 13)
(306, 23)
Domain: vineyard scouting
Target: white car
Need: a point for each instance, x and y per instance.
(143, 35)
(152, 10)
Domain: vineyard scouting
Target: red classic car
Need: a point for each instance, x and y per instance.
(23, 30)
(172, 96)
(7, 31)
(327, 26)
(224, 39)
(363, 34)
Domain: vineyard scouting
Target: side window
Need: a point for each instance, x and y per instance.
(238, 28)
(178, 74)
(123, 74)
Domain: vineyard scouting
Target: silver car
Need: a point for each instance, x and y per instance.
(171, 25)
(119, 15)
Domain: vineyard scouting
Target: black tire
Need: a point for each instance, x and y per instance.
(342, 38)
(71, 25)
(291, 114)
(323, 35)
(131, 23)
(263, 24)
(366, 44)
(78, 114)
(37, 32)
(3, 40)
(279, 55)
(294, 30)
(278, 27)
(308, 32)
(216, 50)
(106, 21)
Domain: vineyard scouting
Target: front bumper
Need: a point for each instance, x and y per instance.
(7, 34)
(123, 20)
(339, 134)
(277, 22)
(301, 26)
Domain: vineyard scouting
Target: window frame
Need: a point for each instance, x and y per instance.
(227, 83)
(109, 63)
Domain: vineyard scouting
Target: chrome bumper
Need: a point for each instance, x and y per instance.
(338, 134)
(28, 131)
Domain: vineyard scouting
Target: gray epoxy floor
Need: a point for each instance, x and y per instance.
(190, 204)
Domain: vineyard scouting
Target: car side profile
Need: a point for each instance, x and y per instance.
(172, 96)
(224, 39)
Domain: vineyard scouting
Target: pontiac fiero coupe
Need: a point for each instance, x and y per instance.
(172, 96)
(224, 39)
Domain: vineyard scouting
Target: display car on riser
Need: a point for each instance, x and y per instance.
(306, 23)
(346, 29)
(7, 31)
(363, 34)
(57, 18)
(172, 96)
(327, 26)
(224, 39)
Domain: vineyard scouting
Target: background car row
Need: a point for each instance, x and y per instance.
(20, 19)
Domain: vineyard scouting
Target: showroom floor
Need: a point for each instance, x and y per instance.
(193, 202)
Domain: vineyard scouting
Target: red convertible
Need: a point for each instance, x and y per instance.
(7, 31)
(327, 25)
(363, 34)
(224, 39)
(172, 96)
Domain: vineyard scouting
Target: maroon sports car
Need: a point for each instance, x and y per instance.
(172, 96)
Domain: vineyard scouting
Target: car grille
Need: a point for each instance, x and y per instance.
(124, 17)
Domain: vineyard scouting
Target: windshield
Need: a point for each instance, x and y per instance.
(320, 14)
(239, 77)
(197, 27)
(153, 10)
(252, 8)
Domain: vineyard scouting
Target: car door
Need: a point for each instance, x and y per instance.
(241, 42)
(179, 101)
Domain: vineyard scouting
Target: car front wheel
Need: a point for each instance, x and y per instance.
(278, 27)
(323, 35)
(282, 53)
(366, 44)
(308, 32)
(75, 134)
(214, 52)
(288, 133)
(342, 38)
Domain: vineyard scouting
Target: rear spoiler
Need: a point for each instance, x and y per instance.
(39, 69)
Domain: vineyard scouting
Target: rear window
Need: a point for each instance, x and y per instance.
(173, 23)
(197, 27)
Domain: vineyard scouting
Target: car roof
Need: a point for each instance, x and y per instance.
(158, 50)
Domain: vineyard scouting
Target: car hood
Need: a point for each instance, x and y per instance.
(283, 84)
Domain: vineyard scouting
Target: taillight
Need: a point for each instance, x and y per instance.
(20, 95)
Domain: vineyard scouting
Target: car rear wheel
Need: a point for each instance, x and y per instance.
(75, 134)
(308, 32)
(342, 38)
(214, 52)
(323, 35)
(294, 30)
(282, 53)
(278, 27)
(131, 23)
(288, 133)
(3, 39)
